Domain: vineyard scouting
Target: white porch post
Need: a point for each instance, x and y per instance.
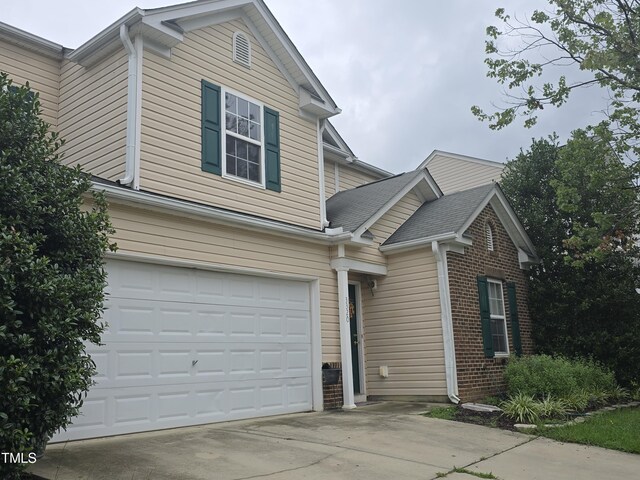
(345, 338)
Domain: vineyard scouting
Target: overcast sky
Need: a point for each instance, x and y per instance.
(404, 72)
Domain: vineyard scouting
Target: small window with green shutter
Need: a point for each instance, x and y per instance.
(241, 138)
(492, 317)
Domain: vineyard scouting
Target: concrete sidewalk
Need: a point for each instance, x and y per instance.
(382, 441)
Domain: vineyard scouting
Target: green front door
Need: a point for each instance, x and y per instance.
(355, 341)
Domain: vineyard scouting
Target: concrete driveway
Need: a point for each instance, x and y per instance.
(380, 441)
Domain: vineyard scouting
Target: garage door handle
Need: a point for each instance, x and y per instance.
(193, 363)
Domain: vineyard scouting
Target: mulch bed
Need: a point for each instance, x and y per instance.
(487, 419)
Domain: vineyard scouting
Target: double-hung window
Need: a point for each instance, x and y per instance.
(240, 138)
(498, 318)
(493, 320)
(243, 143)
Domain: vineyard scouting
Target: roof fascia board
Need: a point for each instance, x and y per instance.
(295, 55)
(106, 36)
(513, 226)
(331, 130)
(450, 238)
(458, 156)
(202, 212)
(343, 158)
(31, 41)
(396, 198)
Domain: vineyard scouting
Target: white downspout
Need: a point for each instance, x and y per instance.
(132, 145)
(323, 194)
(348, 396)
(447, 322)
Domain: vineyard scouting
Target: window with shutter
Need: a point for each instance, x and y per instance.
(240, 138)
(492, 317)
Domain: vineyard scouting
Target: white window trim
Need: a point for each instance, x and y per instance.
(502, 317)
(223, 116)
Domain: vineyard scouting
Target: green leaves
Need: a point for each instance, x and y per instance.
(51, 277)
(579, 205)
(599, 37)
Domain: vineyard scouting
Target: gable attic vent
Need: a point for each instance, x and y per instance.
(489, 234)
(241, 49)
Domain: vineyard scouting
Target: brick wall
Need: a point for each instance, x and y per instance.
(332, 394)
(478, 376)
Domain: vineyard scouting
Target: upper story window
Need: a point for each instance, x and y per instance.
(498, 317)
(489, 236)
(240, 138)
(243, 143)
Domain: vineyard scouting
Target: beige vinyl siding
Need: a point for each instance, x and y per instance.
(403, 330)
(42, 72)
(329, 178)
(453, 174)
(352, 178)
(384, 228)
(171, 130)
(93, 115)
(171, 236)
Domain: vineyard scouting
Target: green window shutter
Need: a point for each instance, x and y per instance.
(211, 139)
(272, 149)
(485, 317)
(515, 323)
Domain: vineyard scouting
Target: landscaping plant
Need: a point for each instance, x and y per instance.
(51, 279)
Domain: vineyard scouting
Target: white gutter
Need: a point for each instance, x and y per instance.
(204, 212)
(418, 242)
(440, 252)
(134, 87)
(323, 194)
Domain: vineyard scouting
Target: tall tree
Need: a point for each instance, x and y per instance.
(51, 279)
(583, 300)
(572, 44)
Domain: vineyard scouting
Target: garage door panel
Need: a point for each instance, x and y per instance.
(134, 319)
(186, 347)
(127, 364)
(152, 282)
(127, 410)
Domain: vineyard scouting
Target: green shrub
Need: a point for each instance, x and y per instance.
(541, 375)
(51, 279)
(578, 401)
(522, 408)
(553, 407)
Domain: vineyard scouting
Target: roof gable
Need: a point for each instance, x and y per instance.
(163, 28)
(449, 217)
(357, 209)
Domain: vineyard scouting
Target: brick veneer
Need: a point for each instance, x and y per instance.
(332, 394)
(479, 376)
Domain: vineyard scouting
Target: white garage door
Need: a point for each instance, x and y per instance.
(187, 347)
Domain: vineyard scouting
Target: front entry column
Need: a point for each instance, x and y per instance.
(345, 338)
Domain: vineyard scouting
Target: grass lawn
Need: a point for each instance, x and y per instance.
(618, 430)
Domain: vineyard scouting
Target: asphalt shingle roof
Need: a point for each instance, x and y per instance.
(350, 209)
(445, 215)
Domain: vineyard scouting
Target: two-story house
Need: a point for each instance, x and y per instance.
(254, 247)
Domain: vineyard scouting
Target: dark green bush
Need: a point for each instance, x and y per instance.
(542, 375)
(51, 278)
